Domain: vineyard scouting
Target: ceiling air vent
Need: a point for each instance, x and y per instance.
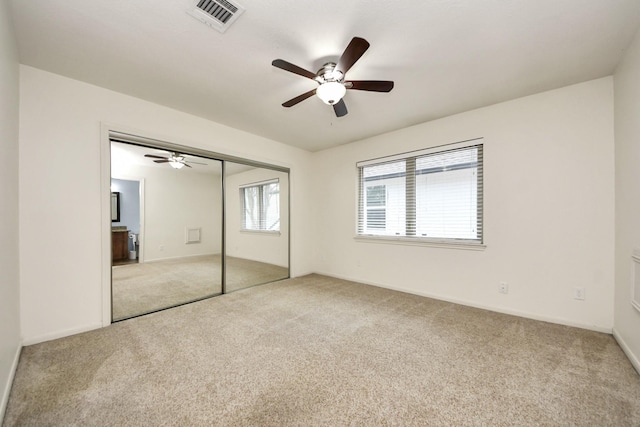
(218, 14)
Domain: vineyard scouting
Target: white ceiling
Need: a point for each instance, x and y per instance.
(445, 56)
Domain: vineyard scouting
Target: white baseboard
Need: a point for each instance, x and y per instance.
(7, 387)
(173, 258)
(60, 334)
(523, 314)
(627, 350)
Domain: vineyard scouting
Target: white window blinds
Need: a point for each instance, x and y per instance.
(428, 195)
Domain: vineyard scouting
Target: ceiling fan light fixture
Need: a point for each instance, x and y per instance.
(331, 92)
(175, 164)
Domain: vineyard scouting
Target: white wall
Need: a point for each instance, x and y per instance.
(264, 247)
(627, 155)
(9, 274)
(60, 191)
(174, 200)
(548, 210)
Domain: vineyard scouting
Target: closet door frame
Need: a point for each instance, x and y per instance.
(111, 133)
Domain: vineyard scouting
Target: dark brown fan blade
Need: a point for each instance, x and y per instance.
(370, 85)
(162, 161)
(155, 157)
(299, 98)
(194, 163)
(340, 108)
(186, 165)
(288, 66)
(357, 47)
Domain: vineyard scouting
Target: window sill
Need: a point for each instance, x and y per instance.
(261, 232)
(469, 246)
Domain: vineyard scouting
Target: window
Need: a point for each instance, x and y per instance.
(428, 195)
(261, 206)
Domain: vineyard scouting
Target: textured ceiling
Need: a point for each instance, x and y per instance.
(445, 56)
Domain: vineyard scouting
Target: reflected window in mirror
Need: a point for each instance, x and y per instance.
(261, 206)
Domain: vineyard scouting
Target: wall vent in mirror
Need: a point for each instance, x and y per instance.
(192, 235)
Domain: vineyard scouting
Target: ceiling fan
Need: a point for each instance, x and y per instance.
(331, 78)
(175, 160)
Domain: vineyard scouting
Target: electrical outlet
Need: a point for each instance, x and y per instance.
(578, 293)
(161, 248)
(503, 288)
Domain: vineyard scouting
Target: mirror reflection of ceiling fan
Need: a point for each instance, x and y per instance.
(175, 160)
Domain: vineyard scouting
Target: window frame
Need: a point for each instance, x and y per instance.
(408, 236)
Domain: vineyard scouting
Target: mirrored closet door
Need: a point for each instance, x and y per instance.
(188, 224)
(167, 238)
(256, 225)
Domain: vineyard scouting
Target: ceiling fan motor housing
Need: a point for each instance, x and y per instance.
(328, 73)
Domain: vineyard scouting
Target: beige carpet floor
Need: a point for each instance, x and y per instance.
(317, 351)
(151, 286)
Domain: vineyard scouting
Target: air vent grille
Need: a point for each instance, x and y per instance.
(219, 14)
